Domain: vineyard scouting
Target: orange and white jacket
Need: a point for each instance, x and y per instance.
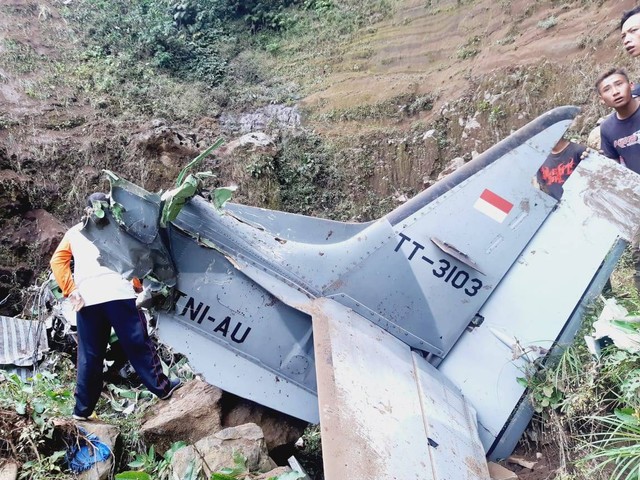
(96, 284)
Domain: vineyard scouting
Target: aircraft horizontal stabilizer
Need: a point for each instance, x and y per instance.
(385, 412)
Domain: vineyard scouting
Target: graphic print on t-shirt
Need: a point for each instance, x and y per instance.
(557, 174)
(627, 141)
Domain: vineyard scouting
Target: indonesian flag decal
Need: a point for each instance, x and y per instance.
(493, 206)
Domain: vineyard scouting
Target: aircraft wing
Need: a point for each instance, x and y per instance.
(385, 412)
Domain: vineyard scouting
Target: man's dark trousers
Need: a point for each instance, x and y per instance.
(94, 328)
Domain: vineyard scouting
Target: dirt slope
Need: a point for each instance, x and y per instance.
(437, 79)
(429, 47)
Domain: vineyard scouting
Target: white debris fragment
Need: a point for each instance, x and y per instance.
(614, 322)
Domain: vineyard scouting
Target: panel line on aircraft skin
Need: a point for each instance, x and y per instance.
(425, 423)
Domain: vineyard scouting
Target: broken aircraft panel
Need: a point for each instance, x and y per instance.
(274, 306)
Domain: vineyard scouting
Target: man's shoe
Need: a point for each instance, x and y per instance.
(174, 384)
(80, 418)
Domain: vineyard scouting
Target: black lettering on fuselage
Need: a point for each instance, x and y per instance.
(223, 326)
(199, 313)
(443, 269)
(193, 313)
(235, 332)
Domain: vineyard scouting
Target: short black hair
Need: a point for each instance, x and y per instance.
(97, 197)
(608, 73)
(628, 14)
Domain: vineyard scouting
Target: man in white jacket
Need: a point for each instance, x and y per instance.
(103, 299)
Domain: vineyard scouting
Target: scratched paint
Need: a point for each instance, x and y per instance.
(621, 209)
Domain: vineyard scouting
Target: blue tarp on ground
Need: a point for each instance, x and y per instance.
(86, 452)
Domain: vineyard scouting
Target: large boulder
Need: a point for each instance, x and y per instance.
(193, 412)
(217, 451)
(278, 429)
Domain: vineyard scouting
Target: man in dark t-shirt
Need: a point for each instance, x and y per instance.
(560, 163)
(620, 132)
(630, 36)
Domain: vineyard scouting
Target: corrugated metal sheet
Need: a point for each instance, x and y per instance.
(22, 342)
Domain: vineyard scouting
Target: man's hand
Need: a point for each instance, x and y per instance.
(76, 300)
(588, 152)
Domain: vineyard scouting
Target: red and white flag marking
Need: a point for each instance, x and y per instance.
(493, 206)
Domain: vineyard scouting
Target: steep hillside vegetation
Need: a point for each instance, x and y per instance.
(365, 100)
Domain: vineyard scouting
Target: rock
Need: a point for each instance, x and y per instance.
(272, 116)
(193, 412)
(429, 134)
(216, 451)
(108, 434)
(8, 471)
(593, 140)
(451, 167)
(523, 462)
(251, 140)
(498, 472)
(43, 230)
(278, 429)
(471, 124)
(275, 473)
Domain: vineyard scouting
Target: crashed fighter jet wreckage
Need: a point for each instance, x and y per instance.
(403, 336)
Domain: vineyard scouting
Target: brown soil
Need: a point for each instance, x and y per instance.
(420, 49)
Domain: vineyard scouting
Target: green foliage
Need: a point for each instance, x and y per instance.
(398, 107)
(319, 6)
(616, 449)
(260, 166)
(314, 26)
(42, 398)
(552, 381)
(148, 465)
(307, 175)
(37, 402)
(265, 14)
(44, 468)
(496, 114)
(18, 57)
(231, 473)
(174, 199)
(98, 209)
(222, 195)
(145, 460)
(470, 49)
(133, 476)
(185, 43)
(310, 455)
(196, 161)
(289, 476)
